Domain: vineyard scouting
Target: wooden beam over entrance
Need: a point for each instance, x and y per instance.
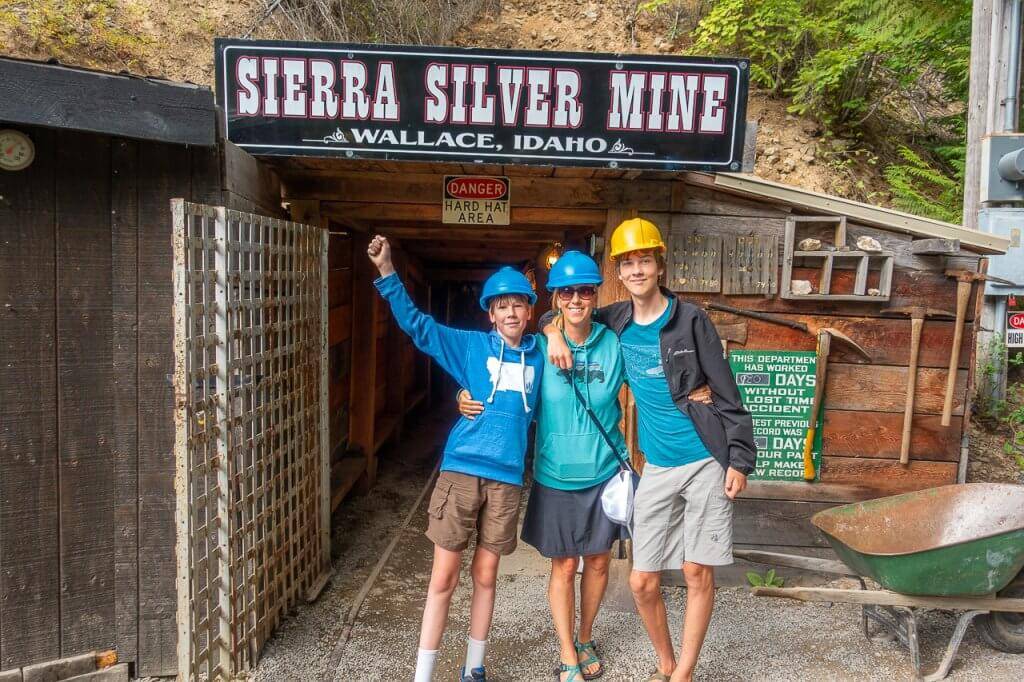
(435, 231)
(378, 212)
(411, 188)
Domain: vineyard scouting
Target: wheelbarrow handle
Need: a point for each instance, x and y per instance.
(807, 563)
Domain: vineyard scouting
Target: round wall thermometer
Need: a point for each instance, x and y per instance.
(16, 150)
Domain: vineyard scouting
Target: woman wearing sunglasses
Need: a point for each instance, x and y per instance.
(572, 462)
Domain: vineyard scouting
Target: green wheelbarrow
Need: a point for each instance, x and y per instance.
(956, 547)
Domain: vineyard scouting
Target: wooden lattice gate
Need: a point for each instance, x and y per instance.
(252, 476)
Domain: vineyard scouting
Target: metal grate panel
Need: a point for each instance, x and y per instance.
(251, 456)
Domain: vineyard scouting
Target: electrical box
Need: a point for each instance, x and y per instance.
(1009, 223)
(995, 185)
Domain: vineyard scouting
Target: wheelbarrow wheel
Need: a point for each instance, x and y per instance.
(1001, 630)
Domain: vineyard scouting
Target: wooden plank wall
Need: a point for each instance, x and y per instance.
(863, 402)
(86, 498)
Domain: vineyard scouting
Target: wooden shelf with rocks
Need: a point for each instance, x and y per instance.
(874, 266)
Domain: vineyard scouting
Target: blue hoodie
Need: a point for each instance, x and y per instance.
(493, 445)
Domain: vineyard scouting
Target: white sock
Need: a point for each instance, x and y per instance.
(475, 650)
(425, 661)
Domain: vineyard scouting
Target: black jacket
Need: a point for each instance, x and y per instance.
(725, 427)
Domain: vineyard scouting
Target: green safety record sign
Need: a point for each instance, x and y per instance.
(778, 389)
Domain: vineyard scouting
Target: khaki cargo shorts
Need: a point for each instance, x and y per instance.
(461, 505)
(682, 514)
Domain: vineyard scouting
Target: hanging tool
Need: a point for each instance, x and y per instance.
(792, 324)
(965, 279)
(735, 332)
(822, 350)
(767, 317)
(917, 316)
(820, 369)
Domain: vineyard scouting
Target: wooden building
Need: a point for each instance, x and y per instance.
(99, 417)
(864, 401)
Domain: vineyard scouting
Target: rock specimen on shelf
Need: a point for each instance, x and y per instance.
(801, 287)
(866, 243)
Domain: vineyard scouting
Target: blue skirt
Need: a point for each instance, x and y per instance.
(563, 523)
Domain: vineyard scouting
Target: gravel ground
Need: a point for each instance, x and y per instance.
(750, 638)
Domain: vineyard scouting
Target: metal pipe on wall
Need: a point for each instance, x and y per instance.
(999, 331)
(1013, 69)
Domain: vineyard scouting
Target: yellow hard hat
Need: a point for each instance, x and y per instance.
(635, 234)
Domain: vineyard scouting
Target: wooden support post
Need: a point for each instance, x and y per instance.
(612, 290)
(325, 429)
(362, 395)
(396, 346)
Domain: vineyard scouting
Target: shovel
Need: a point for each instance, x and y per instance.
(619, 597)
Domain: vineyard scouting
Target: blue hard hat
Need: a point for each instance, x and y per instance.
(506, 282)
(573, 268)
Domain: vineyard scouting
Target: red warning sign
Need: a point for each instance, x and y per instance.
(1015, 330)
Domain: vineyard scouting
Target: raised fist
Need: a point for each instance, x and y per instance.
(379, 252)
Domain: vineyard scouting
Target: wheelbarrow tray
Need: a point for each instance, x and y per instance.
(950, 541)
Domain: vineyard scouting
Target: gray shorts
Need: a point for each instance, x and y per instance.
(682, 514)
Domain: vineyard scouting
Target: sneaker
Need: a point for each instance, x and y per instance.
(475, 675)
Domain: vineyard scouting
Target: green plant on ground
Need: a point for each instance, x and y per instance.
(991, 361)
(769, 579)
(1013, 416)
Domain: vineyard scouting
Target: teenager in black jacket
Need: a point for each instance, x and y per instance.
(698, 456)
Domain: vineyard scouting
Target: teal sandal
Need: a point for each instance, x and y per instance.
(586, 653)
(563, 668)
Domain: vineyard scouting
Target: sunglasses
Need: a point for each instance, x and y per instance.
(586, 292)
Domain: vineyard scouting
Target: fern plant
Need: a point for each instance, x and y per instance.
(922, 188)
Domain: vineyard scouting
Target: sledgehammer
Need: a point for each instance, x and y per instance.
(965, 279)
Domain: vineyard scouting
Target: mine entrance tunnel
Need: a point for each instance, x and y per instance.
(443, 264)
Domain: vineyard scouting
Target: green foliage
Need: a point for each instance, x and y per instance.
(990, 362)
(842, 60)
(900, 63)
(769, 579)
(1013, 415)
(920, 187)
(62, 28)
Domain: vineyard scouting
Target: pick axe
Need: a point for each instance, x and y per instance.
(823, 349)
(917, 315)
(965, 279)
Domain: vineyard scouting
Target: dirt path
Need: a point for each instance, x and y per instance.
(752, 639)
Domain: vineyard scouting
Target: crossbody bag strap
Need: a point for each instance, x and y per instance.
(608, 439)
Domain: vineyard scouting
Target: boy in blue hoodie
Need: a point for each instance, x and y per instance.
(481, 475)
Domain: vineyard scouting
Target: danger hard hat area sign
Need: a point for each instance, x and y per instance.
(475, 200)
(1015, 330)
